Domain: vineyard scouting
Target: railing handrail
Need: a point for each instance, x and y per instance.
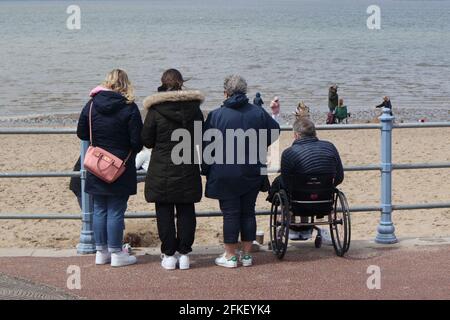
(385, 228)
(362, 126)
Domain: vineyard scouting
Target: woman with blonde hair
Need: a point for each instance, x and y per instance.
(116, 126)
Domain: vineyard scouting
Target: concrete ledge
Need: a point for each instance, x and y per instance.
(359, 245)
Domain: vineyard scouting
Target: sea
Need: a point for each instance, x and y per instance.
(293, 49)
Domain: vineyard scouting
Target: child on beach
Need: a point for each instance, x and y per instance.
(258, 101)
(275, 109)
(341, 112)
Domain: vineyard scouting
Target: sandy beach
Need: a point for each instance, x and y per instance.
(51, 195)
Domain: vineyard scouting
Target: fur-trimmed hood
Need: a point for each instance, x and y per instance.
(173, 96)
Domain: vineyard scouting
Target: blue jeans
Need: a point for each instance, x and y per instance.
(109, 222)
(239, 217)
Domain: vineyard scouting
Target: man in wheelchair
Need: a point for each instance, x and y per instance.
(308, 156)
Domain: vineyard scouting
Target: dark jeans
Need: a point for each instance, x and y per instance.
(239, 217)
(109, 222)
(181, 238)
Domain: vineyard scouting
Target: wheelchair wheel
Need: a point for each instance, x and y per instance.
(318, 242)
(279, 224)
(340, 225)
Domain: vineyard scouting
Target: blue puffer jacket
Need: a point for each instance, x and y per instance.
(116, 127)
(225, 181)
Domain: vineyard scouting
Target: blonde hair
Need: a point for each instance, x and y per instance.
(117, 80)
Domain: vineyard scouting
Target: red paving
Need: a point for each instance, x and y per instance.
(305, 273)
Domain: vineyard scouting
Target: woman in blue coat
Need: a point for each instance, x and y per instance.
(236, 181)
(116, 127)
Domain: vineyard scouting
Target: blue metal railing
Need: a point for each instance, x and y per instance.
(385, 230)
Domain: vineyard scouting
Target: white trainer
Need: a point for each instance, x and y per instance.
(121, 259)
(183, 262)
(246, 260)
(102, 257)
(168, 262)
(223, 261)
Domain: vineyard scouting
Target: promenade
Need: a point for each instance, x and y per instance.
(413, 269)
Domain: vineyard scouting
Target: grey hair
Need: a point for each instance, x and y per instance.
(304, 127)
(234, 84)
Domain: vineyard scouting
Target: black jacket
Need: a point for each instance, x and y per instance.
(385, 104)
(116, 127)
(258, 101)
(310, 155)
(226, 181)
(333, 99)
(168, 181)
(75, 182)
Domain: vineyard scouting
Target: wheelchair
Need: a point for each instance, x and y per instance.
(309, 197)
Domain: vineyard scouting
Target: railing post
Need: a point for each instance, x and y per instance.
(87, 243)
(386, 229)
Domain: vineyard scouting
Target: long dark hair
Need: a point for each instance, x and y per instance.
(171, 80)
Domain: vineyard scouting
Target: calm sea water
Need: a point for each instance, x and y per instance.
(294, 49)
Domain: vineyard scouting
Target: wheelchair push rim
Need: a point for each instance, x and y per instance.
(340, 225)
(279, 224)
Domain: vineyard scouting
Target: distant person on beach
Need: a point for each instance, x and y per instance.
(275, 109)
(258, 101)
(236, 183)
(307, 155)
(116, 127)
(333, 98)
(173, 186)
(386, 104)
(341, 112)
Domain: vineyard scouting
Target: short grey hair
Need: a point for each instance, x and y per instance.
(234, 84)
(305, 127)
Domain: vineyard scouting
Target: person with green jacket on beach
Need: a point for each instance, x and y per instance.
(341, 111)
(333, 98)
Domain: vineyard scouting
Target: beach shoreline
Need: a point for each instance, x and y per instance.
(319, 117)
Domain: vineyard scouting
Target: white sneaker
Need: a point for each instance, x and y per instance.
(246, 260)
(168, 262)
(121, 259)
(227, 263)
(102, 257)
(183, 262)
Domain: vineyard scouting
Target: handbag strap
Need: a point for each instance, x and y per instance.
(90, 123)
(90, 132)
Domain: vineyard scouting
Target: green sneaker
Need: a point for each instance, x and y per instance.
(223, 261)
(246, 260)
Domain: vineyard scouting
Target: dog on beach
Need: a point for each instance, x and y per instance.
(133, 239)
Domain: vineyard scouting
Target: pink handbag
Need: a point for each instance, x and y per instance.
(101, 163)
